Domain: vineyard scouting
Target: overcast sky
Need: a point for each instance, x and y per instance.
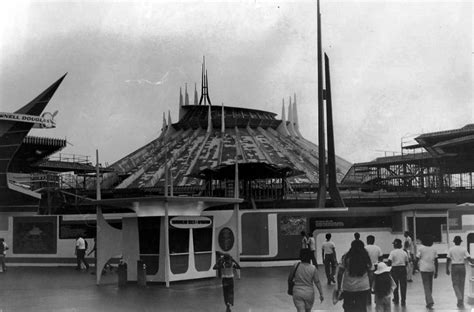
(398, 68)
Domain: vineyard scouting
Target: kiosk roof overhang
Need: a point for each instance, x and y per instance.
(425, 207)
(157, 205)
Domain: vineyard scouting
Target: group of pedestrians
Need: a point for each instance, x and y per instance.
(309, 243)
(362, 271)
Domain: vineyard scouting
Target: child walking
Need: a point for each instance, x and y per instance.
(383, 287)
(225, 266)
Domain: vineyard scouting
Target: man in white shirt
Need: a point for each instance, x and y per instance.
(428, 263)
(329, 258)
(312, 247)
(375, 255)
(81, 252)
(456, 260)
(398, 259)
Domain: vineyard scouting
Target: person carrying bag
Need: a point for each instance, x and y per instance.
(301, 281)
(291, 280)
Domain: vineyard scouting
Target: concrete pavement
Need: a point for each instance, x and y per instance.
(260, 289)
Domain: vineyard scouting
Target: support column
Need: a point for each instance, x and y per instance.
(167, 247)
(236, 211)
(321, 133)
(447, 227)
(414, 231)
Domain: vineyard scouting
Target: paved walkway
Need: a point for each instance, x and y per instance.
(260, 289)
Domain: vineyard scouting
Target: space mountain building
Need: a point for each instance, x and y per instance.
(206, 139)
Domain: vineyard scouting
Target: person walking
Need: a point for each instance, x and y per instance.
(329, 258)
(304, 275)
(3, 253)
(383, 287)
(353, 279)
(304, 240)
(456, 266)
(428, 264)
(398, 260)
(312, 248)
(80, 253)
(375, 255)
(225, 266)
(406, 248)
(411, 248)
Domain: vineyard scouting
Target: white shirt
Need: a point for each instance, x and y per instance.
(328, 247)
(457, 254)
(374, 253)
(304, 242)
(312, 243)
(80, 243)
(427, 255)
(398, 257)
(5, 247)
(411, 246)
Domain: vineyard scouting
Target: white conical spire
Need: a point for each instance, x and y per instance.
(186, 96)
(180, 109)
(164, 122)
(169, 128)
(282, 128)
(195, 95)
(295, 116)
(291, 129)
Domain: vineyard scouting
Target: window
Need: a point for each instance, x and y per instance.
(428, 226)
(149, 235)
(292, 225)
(179, 240)
(202, 239)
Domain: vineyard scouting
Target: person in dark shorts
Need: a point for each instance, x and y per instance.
(329, 258)
(225, 265)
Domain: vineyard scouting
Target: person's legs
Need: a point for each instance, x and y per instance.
(396, 279)
(333, 267)
(2, 262)
(458, 277)
(410, 272)
(349, 301)
(228, 288)
(427, 278)
(299, 303)
(81, 254)
(360, 302)
(371, 281)
(327, 267)
(403, 284)
(78, 260)
(309, 302)
(313, 258)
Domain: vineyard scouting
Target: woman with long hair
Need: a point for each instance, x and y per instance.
(304, 275)
(353, 278)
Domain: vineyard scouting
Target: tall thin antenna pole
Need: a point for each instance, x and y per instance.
(97, 174)
(321, 133)
(333, 190)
